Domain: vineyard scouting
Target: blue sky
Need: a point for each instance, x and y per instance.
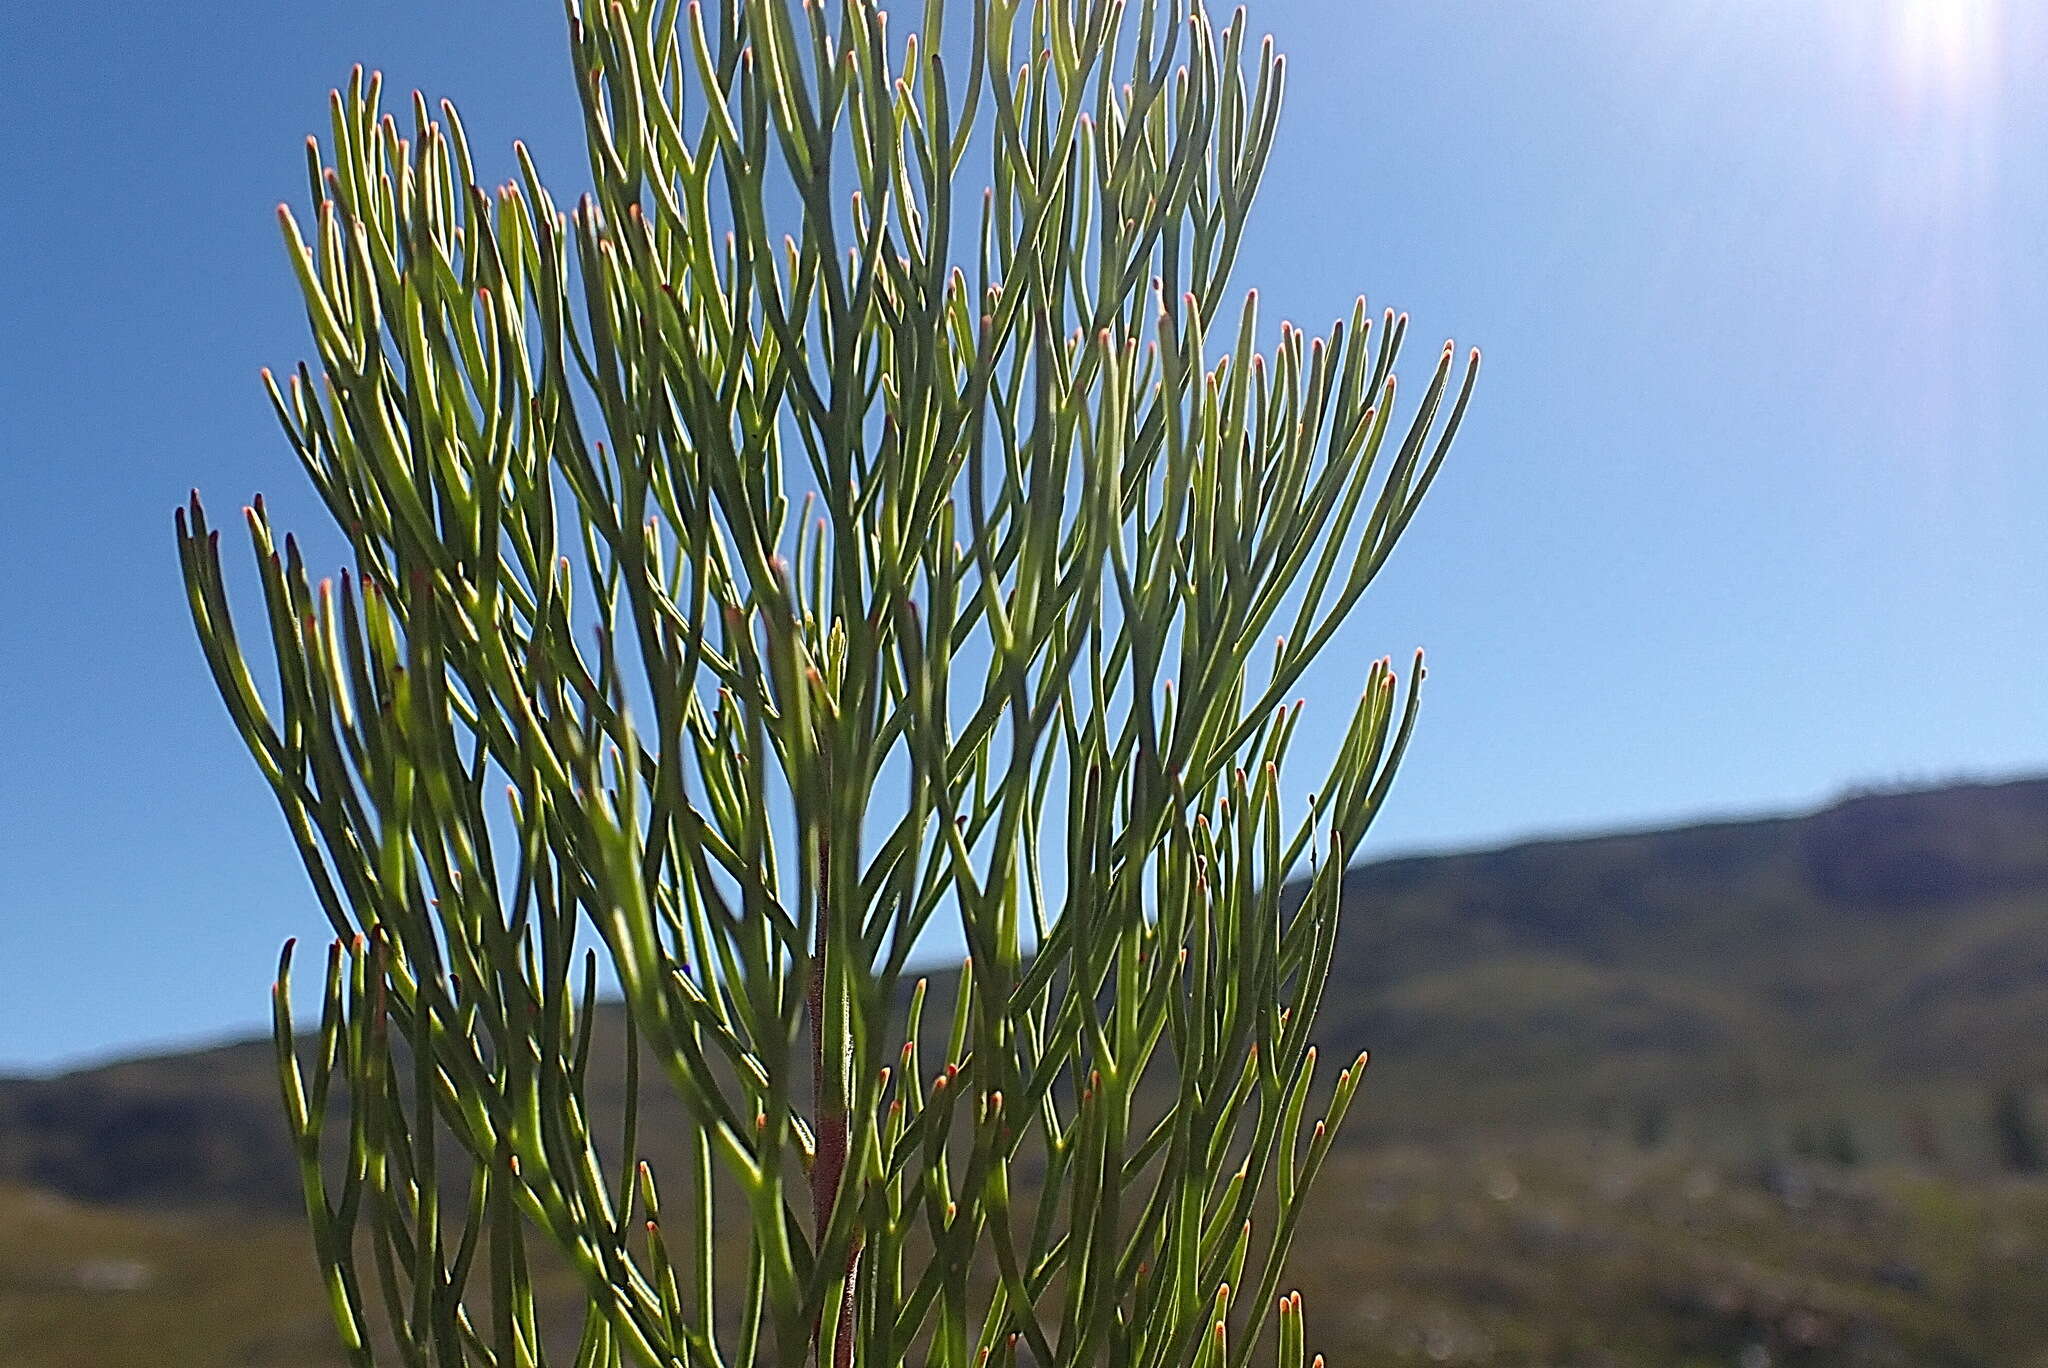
(1749, 509)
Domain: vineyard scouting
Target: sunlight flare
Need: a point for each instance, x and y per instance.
(1944, 49)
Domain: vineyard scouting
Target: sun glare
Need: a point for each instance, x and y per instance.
(1944, 49)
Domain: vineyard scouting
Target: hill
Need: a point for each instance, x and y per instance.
(1666, 1096)
(1885, 956)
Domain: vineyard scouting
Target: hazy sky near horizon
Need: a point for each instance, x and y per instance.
(1749, 508)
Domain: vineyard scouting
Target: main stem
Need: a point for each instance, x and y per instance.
(829, 1102)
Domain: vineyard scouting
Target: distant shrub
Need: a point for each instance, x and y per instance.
(2015, 1132)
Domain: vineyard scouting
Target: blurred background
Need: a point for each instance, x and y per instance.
(1740, 554)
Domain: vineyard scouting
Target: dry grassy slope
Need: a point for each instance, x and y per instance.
(1567, 1250)
(1585, 1251)
(85, 1286)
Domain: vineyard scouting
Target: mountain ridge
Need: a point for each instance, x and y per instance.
(1739, 976)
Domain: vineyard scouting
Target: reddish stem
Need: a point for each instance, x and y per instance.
(829, 1165)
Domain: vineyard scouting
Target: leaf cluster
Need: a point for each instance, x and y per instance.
(595, 691)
